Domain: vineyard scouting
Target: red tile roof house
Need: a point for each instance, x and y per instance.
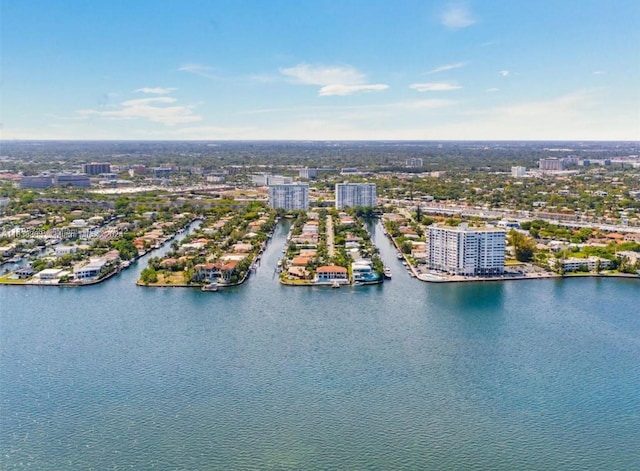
(300, 261)
(217, 271)
(331, 273)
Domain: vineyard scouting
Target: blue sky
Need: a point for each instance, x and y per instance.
(302, 69)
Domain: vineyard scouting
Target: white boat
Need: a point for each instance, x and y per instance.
(210, 287)
(387, 272)
(400, 256)
(335, 284)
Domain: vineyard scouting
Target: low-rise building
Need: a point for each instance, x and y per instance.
(67, 179)
(36, 181)
(583, 264)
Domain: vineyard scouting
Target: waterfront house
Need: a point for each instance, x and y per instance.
(49, 274)
(298, 272)
(217, 271)
(205, 272)
(26, 272)
(90, 270)
(362, 271)
(331, 273)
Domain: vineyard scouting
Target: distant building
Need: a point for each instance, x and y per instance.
(465, 251)
(279, 180)
(355, 194)
(95, 168)
(551, 164)
(75, 179)
(161, 171)
(350, 171)
(518, 172)
(289, 196)
(137, 170)
(414, 162)
(266, 179)
(313, 173)
(308, 173)
(37, 181)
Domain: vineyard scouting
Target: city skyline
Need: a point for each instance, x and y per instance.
(321, 70)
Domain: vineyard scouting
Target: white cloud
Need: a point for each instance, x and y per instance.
(457, 16)
(155, 90)
(426, 104)
(333, 80)
(152, 109)
(323, 75)
(434, 87)
(341, 90)
(444, 68)
(599, 72)
(492, 90)
(198, 69)
(504, 73)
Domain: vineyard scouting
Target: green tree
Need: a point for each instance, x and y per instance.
(523, 246)
(149, 275)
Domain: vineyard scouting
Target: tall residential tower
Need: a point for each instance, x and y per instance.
(464, 250)
(355, 194)
(289, 196)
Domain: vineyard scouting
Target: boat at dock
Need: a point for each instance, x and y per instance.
(335, 284)
(400, 256)
(210, 287)
(387, 273)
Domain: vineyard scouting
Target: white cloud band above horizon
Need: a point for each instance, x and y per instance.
(151, 109)
(333, 80)
(155, 90)
(435, 87)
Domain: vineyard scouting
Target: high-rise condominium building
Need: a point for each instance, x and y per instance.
(465, 250)
(517, 172)
(355, 194)
(551, 164)
(289, 196)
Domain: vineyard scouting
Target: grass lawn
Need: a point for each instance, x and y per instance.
(8, 280)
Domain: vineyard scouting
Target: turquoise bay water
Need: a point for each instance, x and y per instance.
(521, 375)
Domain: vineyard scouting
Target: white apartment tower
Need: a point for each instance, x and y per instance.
(289, 196)
(551, 164)
(465, 251)
(517, 172)
(355, 194)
